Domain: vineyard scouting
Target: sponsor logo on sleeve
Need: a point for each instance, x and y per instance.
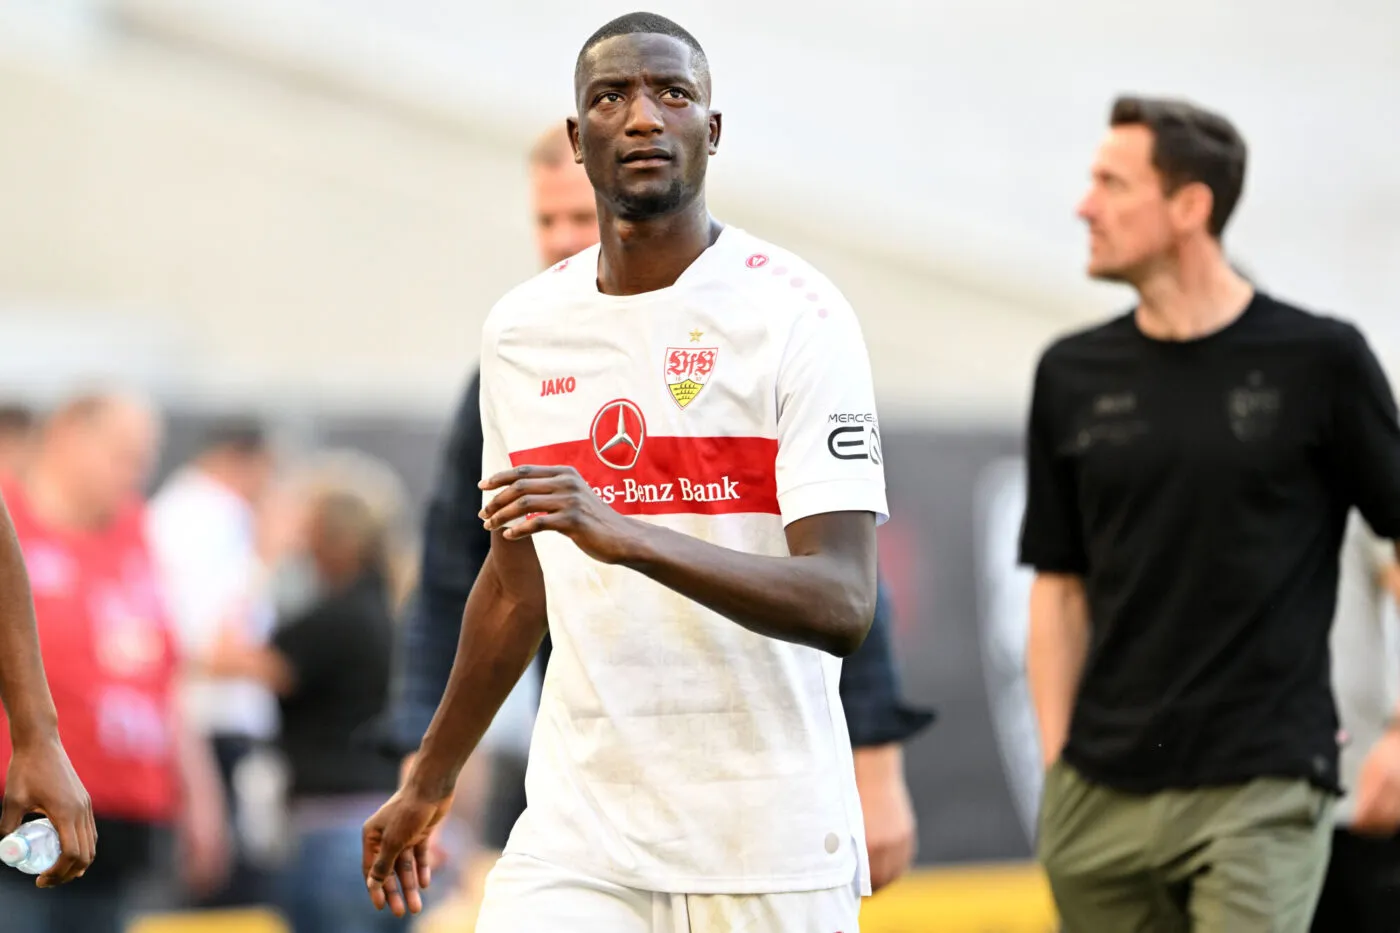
(856, 436)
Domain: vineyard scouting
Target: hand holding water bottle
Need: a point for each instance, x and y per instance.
(33, 848)
(42, 780)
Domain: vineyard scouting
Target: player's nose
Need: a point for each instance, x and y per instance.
(644, 117)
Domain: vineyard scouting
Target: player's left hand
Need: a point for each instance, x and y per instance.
(556, 498)
(1378, 789)
(889, 814)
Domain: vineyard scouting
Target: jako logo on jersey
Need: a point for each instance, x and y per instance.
(558, 386)
(561, 266)
(757, 261)
(687, 371)
(618, 433)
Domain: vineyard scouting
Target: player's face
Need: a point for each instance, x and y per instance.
(566, 211)
(1127, 210)
(644, 130)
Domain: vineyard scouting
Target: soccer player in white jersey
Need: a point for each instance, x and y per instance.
(684, 466)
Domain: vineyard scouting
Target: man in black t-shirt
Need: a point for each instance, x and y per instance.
(1191, 468)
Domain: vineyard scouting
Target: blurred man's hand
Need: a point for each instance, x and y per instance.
(889, 814)
(1378, 789)
(206, 852)
(1390, 576)
(42, 780)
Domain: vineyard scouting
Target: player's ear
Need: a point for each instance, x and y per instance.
(571, 124)
(716, 124)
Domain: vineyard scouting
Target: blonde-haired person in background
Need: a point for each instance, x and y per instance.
(329, 665)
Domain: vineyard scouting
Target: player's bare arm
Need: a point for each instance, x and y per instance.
(1390, 575)
(823, 595)
(1058, 646)
(40, 779)
(502, 627)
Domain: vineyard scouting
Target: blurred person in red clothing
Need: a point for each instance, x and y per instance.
(111, 663)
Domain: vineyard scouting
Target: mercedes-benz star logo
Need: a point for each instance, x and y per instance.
(618, 432)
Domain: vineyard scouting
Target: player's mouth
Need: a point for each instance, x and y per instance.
(646, 158)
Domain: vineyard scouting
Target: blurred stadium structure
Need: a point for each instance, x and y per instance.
(306, 207)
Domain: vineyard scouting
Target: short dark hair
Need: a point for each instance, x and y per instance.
(16, 419)
(238, 434)
(643, 23)
(1190, 144)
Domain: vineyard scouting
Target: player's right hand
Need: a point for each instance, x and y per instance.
(437, 852)
(395, 857)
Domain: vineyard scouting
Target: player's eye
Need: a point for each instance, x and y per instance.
(608, 97)
(676, 93)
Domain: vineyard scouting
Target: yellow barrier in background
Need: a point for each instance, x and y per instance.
(963, 899)
(212, 921)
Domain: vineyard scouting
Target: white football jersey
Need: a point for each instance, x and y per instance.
(676, 751)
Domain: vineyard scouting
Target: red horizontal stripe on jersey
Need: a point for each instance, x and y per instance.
(676, 475)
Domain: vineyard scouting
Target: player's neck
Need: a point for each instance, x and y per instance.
(638, 256)
(1191, 295)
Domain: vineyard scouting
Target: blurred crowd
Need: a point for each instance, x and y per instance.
(219, 649)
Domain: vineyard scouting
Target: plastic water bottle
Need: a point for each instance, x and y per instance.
(33, 848)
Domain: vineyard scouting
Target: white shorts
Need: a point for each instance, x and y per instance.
(525, 895)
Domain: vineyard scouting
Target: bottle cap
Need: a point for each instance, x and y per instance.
(14, 849)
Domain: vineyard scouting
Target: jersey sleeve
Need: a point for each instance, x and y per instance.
(495, 456)
(829, 454)
(1052, 539)
(1367, 436)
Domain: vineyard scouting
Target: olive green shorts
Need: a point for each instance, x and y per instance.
(1247, 858)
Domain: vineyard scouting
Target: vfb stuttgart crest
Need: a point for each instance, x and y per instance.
(687, 371)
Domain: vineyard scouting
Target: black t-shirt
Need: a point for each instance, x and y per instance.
(340, 651)
(1201, 489)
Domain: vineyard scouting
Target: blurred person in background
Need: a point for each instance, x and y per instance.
(112, 664)
(204, 532)
(17, 433)
(1361, 893)
(455, 546)
(1192, 464)
(330, 665)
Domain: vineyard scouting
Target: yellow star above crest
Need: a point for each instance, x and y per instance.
(695, 336)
